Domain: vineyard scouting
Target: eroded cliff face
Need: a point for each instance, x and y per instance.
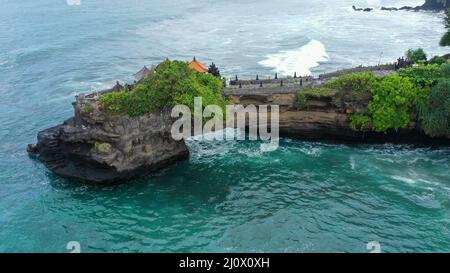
(327, 119)
(103, 148)
(98, 147)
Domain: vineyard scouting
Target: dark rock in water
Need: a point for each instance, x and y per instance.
(32, 149)
(432, 5)
(362, 9)
(101, 148)
(436, 5)
(389, 9)
(406, 8)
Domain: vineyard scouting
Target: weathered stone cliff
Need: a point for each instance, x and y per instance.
(101, 148)
(327, 118)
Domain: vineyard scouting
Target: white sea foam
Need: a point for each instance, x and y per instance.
(299, 60)
(374, 3)
(352, 162)
(403, 179)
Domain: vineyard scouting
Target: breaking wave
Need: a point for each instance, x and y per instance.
(300, 60)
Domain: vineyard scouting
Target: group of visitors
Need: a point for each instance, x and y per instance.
(403, 63)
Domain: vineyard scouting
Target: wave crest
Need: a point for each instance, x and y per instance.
(300, 60)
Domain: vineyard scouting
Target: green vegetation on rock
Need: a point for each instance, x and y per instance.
(354, 87)
(445, 40)
(318, 92)
(426, 75)
(435, 115)
(356, 83)
(416, 55)
(360, 122)
(437, 60)
(302, 101)
(172, 83)
(87, 109)
(419, 94)
(393, 100)
(102, 147)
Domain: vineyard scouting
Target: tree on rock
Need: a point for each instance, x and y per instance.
(445, 41)
(214, 70)
(416, 55)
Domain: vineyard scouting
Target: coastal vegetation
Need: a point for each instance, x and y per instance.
(394, 100)
(445, 40)
(302, 101)
(354, 87)
(214, 70)
(437, 60)
(102, 147)
(416, 55)
(360, 122)
(417, 95)
(435, 113)
(172, 83)
(318, 92)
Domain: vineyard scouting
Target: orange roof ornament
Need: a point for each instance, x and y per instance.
(198, 66)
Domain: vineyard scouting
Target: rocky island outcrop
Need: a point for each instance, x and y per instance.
(98, 147)
(125, 132)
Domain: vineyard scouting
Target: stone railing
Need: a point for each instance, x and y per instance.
(359, 69)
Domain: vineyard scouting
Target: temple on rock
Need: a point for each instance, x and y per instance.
(198, 66)
(142, 74)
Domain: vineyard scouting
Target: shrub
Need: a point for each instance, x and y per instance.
(435, 116)
(115, 102)
(102, 147)
(445, 70)
(87, 109)
(358, 84)
(424, 75)
(437, 60)
(416, 55)
(393, 102)
(318, 92)
(445, 40)
(360, 122)
(302, 102)
(172, 83)
(354, 89)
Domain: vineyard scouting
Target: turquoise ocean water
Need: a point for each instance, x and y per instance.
(229, 196)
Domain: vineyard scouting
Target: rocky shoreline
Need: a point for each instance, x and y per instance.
(429, 5)
(103, 148)
(327, 119)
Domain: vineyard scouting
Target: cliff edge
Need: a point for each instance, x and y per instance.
(99, 147)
